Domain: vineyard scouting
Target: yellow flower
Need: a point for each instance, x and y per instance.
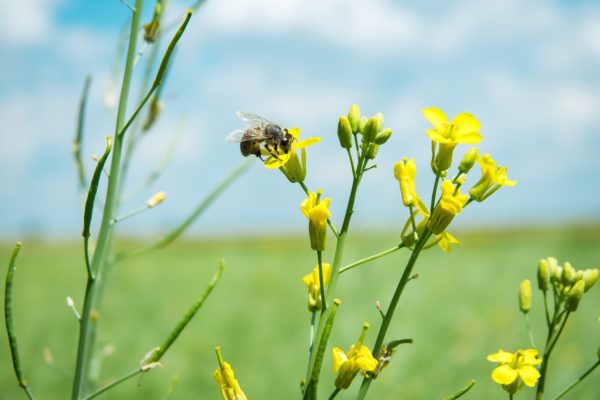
(451, 203)
(445, 240)
(515, 368)
(282, 159)
(464, 128)
(314, 286)
(405, 172)
(492, 178)
(358, 358)
(317, 212)
(230, 388)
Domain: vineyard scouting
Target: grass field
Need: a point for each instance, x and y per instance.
(462, 307)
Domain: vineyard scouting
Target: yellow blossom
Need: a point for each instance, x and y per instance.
(405, 172)
(451, 203)
(515, 368)
(317, 212)
(230, 388)
(492, 178)
(358, 358)
(283, 158)
(464, 128)
(445, 240)
(313, 283)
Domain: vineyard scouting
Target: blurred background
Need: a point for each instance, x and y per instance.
(527, 70)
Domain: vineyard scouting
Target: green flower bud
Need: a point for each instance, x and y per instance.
(379, 117)
(574, 296)
(372, 152)
(590, 276)
(383, 136)
(362, 124)
(543, 275)
(371, 130)
(525, 296)
(354, 118)
(344, 132)
(468, 160)
(568, 274)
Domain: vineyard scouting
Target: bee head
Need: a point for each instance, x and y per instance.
(286, 142)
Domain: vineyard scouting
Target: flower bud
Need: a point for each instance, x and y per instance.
(371, 130)
(372, 152)
(574, 296)
(344, 132)
(468, 160)
(568, 274)
(379, 118)
(354, 118)
(362, 123)
(156, 199)
(525, 296)
(383, 136)
(590, 276)
(543, 275)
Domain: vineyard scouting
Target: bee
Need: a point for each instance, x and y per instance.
(261, 133)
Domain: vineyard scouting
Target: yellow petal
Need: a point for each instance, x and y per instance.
(273, 162)
(504, 375)
(529, 375)
(435, 116)
(339, 357)
(295, 132)
(469, 138)
(305, 143)
(530, 357)
(466, 123)
(365, 360)
(501, 356)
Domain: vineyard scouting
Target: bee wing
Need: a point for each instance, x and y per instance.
(235, 136)
(253, 120)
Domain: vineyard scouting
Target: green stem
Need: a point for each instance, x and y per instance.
(105, 233)
(314, 361)
(550, 343)
(208, 200)
(461, 391)
(582, 377)
(434, 192)
(321, 281)
(371, 258)
(351, 163)
(546, 309)
(529, 332)
(77, 142)
(406, 275)
(8, 321)
(122, 379)
(334, 393)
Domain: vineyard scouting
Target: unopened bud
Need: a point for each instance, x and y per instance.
(354, 118)
(543, 275)
(568, 274)
(590, 276)
(383, 136)
(525, 296)
(362, 124)
(468, 160)
(156, 199)
(371, 130)
(574, 296)
(344, 132)
(372, 152)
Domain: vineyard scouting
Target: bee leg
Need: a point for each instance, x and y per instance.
(272, 152)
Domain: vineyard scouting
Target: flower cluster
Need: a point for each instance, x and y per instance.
(567, 283)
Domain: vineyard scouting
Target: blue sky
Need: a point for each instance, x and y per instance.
(527, 70)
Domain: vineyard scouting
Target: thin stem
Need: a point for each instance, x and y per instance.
(461, 391)
(105, 233)
(550, 343)
(321, 281)
(313, 317)
(334, 393)
(351, 162)
(434, 192)
(529, 332)
(546, 309)
(122, 379)
(406, 276)
(130, 214)
(371, 258)
(208, 200)
(77, 142)
(576, 382)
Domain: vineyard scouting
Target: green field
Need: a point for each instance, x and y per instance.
(462, 307)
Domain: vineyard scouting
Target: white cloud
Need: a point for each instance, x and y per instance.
(26, 22)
